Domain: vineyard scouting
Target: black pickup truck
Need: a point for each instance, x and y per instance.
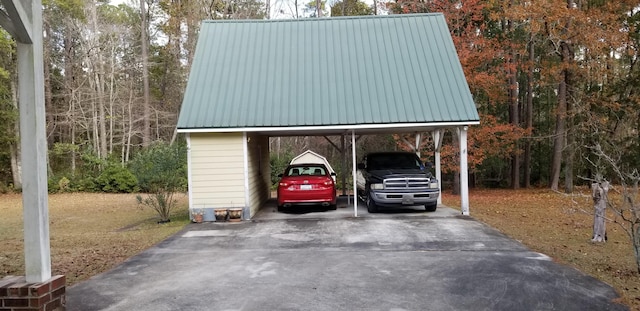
(391, 179)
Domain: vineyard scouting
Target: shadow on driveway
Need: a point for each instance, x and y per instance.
(386, 261)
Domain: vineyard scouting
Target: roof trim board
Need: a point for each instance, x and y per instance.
(329, 128)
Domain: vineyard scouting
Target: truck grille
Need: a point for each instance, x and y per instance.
(406, 183)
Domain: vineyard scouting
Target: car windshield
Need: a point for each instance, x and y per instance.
(306, 170)
(392, 161)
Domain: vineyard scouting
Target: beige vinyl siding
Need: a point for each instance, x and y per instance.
(259, 171)
(217, 170)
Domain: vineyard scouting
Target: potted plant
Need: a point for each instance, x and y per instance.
(197, 215)
(221, 214)
(235, 214)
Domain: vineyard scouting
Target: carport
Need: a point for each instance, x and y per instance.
(255, 79)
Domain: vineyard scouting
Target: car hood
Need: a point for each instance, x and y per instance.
(398, 173)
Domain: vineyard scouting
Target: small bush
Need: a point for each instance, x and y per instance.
(161, 170)
(87, 184)
(64, 184)
(278, 165)
(4, 188)
(116, 179)
(52, 185)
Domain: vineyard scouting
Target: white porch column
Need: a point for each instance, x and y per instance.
(437, 140)
(353, 173)
(37, 252)
(246, 210)
(417, 147)
(464, 173)
(189, 173)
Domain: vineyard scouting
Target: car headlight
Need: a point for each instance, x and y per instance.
(377, 186)
(433, 184)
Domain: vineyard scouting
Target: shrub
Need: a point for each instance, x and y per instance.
(4, 188)
(64, 184)
(278, 165)
(87, 184)
(161, 170)
(116, 178)
(52, 185)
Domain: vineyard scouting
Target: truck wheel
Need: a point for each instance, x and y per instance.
(430, 207)
(371, 205)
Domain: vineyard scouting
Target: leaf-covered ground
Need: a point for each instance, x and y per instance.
(561, 227)
(90, 233)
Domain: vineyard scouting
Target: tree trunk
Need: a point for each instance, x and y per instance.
(514, 119)
(146, 130)
(566, 57)
(570, 137)
(599, 194)
(48, 94)
(529, 116)
(69, 75)
(636, 243)
(16, 165)
(558, 139)
(99, 76)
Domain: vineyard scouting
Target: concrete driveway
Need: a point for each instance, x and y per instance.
(301, 261)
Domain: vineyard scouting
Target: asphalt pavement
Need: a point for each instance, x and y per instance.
(331, 260)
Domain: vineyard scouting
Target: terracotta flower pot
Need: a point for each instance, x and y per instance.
(235, 214)
(197, 218)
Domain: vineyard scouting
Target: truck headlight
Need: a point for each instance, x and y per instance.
(377, 186)
(433, 184)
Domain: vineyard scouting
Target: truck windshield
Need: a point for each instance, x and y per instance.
(392, 161)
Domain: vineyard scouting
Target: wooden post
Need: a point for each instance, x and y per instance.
(599, 192)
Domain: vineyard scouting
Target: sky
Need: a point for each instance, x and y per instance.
(279, 8)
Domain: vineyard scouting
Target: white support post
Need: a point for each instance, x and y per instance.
(464, 173)
(417, 148)
(189, 173)
(245, 150)
(33, 142)
(437, 140)
(353, 173)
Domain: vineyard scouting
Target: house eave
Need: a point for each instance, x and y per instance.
(334, 129)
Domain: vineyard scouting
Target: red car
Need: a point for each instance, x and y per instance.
(306, 184)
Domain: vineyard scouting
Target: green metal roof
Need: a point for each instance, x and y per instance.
(372, 70)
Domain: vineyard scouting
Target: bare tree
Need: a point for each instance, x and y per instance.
(599, 192)
(626, 210)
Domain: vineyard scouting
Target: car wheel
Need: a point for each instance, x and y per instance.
(280, 208)
(431, 207)
(371, 205)
(333, 207)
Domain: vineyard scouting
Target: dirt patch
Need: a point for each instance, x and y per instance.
(556, 225)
